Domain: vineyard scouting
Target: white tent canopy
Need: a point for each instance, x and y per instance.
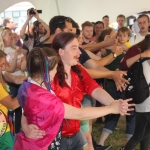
(82, 10)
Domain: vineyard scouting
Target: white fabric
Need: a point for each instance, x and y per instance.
(34, 82)
(145, 106)
(10, 57)
(136, 27)
(134, 40)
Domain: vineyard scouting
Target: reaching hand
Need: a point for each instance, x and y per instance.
(36, 15)
(18, 51)
(109, 40)
(32, 131)
(103, 52)
(119, 80)
(118, 50)
(29, 15)
(124, 107)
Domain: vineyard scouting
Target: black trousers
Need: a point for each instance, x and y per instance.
(18, 112)
(141, 132)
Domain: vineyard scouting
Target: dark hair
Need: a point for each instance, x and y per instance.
(57, 22)
(121, 16)
(35, 30)
(36, 61)
(146, 43)
(106, 16)
(99, 22)
(143, 15)
(6, 20)
(124, 30)
(103, 34)
(74, 24)
(61, 40)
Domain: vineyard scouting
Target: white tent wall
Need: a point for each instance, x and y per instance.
(82, 10)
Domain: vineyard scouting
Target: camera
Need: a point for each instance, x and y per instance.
(31, 11)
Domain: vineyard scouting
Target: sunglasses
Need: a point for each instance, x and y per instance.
(67, 19)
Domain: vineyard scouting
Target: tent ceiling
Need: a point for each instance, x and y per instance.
(80, 11)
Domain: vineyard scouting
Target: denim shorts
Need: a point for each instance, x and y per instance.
(75, 142)
(88, 101)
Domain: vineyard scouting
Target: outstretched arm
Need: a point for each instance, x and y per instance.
(46, 27)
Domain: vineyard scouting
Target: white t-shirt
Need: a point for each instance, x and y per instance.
(136, 39)
(10, 57)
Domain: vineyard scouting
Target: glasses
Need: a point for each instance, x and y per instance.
(67, 19)
(145, 22)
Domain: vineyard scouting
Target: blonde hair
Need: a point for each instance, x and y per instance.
(2, 55)
(3, 32)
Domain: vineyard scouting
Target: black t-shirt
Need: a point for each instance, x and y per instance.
(83, 57)
(45, 45)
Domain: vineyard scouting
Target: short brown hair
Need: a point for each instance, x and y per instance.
(121, 16)
(143, 15)
(124, 30)
(87, 23)
(6, 20)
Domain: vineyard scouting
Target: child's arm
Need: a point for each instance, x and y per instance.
(11, 68)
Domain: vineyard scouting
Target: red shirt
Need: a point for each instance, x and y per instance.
(73, 96)
(133, 51)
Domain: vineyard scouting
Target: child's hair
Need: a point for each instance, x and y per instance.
(3, 32)
(124, 30)
(2, 55)
(36, 61)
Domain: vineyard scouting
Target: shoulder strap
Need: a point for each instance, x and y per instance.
(42, 41)
(143, 59)
(134, 38)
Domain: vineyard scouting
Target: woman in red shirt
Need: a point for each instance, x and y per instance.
(71, 83)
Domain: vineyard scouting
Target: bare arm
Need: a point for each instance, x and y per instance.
(31, 130)
(14, 79)
(11, 68)
(96, 72)
(103, 97)
(95, 112)
(43, 23)
(9, 102)
(105, 60)
(97, 46)
(135, 58)
(23, 30)
(23, 63)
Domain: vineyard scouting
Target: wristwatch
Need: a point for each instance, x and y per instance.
(114, 55)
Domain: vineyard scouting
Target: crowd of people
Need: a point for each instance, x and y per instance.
(55, 79)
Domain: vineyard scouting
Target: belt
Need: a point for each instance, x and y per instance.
(69, 136)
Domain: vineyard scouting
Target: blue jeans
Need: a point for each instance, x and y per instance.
(141, 133)
(112, 119)
(76, 142)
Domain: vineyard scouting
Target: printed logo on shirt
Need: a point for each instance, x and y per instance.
(3, 123)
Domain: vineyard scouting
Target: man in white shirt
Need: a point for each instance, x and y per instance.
(143, 23)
